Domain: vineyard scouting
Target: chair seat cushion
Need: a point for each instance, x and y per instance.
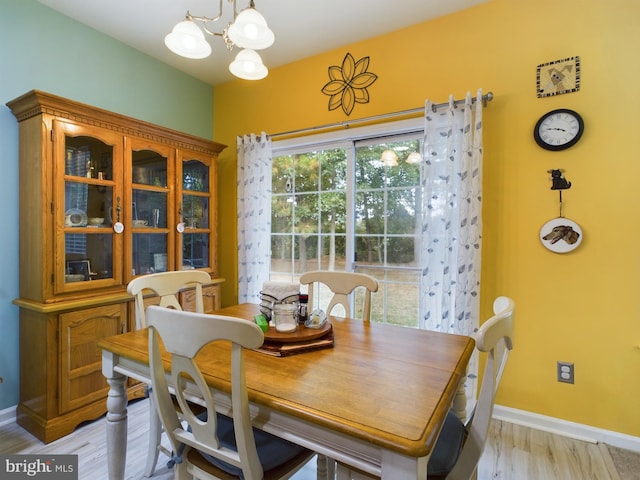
(272, 451)
(447, 448)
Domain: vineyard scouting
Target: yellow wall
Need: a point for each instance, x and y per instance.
(579, 307)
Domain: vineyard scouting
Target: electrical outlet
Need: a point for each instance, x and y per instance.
(565, 372)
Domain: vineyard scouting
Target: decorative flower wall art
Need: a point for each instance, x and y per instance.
(348, 83)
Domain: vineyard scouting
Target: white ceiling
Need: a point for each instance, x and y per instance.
(302, 27)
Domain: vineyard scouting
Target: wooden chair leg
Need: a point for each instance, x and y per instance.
(331, 469)
(321, 467)
(155, 433)
(343, 472)
(326, 468)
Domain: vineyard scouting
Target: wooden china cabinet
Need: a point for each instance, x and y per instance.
(103, 198)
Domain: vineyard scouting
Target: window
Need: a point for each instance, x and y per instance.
(352, 204)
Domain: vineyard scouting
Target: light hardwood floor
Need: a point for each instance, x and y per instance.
(512, 453)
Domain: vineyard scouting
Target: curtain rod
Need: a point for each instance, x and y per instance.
(487, 97)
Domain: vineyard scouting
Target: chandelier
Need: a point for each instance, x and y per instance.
(248, 31)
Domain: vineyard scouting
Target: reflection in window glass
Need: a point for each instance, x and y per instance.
(195, 250)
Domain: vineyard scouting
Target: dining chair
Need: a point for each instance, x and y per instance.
(165, 285)
(214, 446)
(342, 285)
(459, 446)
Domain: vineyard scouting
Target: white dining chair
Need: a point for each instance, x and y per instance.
(342, 285)
(459, 446)
(166, 286)
(214, 446)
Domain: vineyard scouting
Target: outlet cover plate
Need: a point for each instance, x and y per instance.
(565, 372)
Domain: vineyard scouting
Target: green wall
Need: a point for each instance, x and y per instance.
(44, 50)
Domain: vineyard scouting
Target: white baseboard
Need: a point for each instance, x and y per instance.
(8, 415)
(565, 428)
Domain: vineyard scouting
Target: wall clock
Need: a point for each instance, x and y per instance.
(558, 129)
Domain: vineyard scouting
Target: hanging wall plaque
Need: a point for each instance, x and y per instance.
(558, 77)
(560, 235)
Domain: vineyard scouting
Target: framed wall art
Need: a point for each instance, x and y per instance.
(558, 77)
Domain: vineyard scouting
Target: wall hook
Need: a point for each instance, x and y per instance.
(558, 182)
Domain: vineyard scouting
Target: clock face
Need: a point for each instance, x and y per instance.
(558, 129)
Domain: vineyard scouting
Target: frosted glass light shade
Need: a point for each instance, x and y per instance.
(414, 157)
(250, 30)
(187, 40)
(248, 65)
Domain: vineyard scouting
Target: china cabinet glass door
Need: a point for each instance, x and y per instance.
(150, 217)
(87, 189)
(195, 211)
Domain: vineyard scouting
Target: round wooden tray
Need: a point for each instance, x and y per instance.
(301, 334)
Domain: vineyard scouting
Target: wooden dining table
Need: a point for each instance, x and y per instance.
(375, 401)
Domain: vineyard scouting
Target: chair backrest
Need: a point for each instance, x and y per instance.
(166, 285)
(184, 334)
(495, 337)
(342, 284)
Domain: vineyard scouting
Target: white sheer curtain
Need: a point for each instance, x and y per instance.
(452, 219)
(254, 215)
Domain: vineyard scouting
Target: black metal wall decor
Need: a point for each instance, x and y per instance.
(560, 235)
(348, 83)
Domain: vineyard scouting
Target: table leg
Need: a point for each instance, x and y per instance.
(116, 426)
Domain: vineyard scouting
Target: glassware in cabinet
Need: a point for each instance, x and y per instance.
(84, 206)
(152, 169)
(195, 212)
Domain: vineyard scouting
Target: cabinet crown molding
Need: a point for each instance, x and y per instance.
(36, 102)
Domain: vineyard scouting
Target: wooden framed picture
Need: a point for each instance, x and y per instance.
(558, 77)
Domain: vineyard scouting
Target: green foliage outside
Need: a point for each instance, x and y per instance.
(309, 221)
